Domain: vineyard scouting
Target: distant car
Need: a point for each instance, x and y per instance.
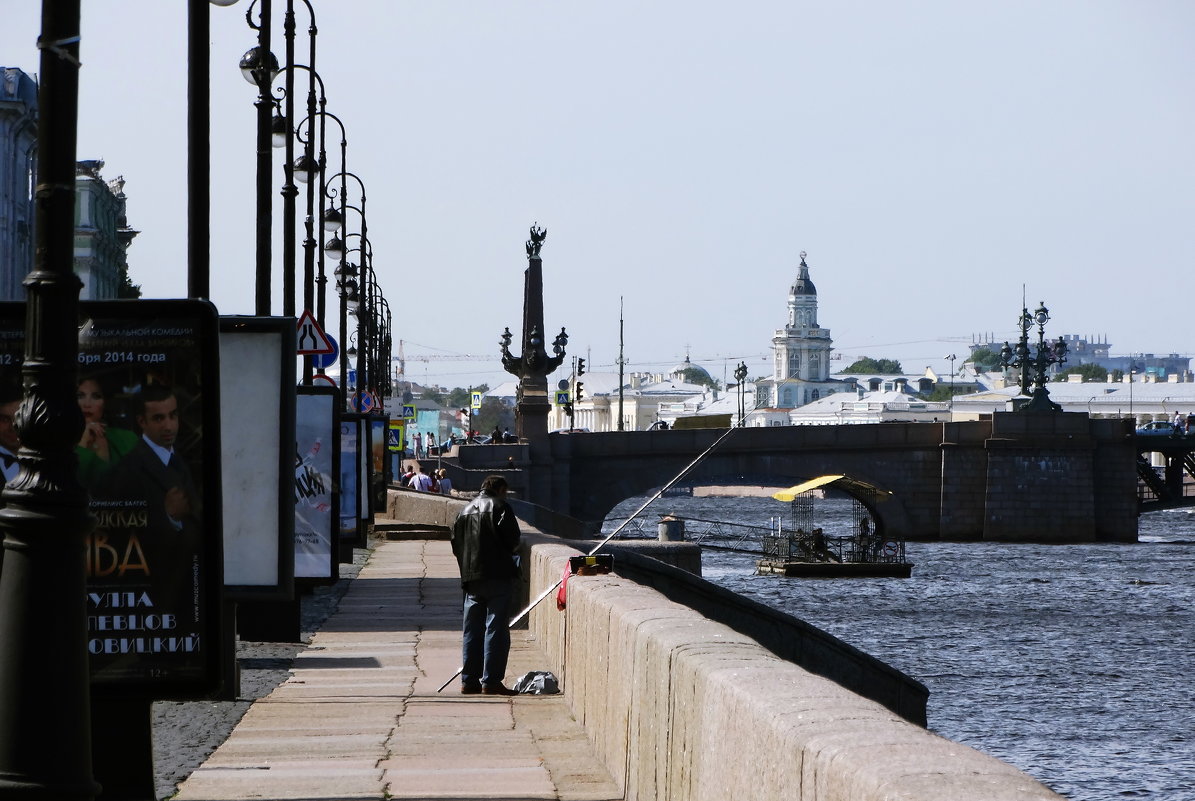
(1158, 428)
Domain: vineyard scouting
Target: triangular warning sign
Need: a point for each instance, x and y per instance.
(311, 339)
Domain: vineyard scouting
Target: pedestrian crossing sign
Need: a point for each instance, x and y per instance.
(476, 399)
(394, 438)
(562, 398)
(408, 411)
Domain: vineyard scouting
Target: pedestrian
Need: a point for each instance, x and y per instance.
(430, 439)
(496, 437)
(445, 481)
(405, 479)
(418, 445)
(1179, 423)
(484, 538)
(421, 481)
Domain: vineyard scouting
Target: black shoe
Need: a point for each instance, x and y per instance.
(470, 689)
(498, 689)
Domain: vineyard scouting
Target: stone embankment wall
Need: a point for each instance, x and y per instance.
(685, 709)
(682, 708)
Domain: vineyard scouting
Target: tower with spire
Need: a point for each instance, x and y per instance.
(800, 351)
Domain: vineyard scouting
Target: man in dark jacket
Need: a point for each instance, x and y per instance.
(484, 538)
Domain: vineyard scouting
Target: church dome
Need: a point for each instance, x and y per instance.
(803, 285)
(681, 369)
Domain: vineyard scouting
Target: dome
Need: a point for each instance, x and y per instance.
(688, 365)
(803, 286)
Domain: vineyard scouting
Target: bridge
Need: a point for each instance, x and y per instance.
(1021, 476)
(1166, 486)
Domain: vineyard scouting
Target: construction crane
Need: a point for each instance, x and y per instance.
(401, 358)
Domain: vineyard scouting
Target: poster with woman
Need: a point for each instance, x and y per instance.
(147, 389)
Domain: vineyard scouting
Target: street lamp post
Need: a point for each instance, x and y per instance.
(740, 375)
(259, 67)
(951, 357)
(1048, 353)
(45, 719)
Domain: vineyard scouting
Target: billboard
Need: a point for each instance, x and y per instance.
(149, 457)
(316, 508)
(257, 415)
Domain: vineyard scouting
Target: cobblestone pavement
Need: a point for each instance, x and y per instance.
(185, 733)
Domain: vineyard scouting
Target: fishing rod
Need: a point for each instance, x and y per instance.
(515, 621)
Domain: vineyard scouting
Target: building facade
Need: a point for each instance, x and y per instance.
(18, 165)
(800, 353)
(102, 233)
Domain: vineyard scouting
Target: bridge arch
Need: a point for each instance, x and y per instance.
(891, 512)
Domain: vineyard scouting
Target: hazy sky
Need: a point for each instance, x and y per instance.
(931, 158)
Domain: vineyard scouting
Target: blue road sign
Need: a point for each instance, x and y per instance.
(326, 360)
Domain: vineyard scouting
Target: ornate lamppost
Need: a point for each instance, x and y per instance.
(534, 364)
(1048, 353)
(45, 729)
(740, 375)
(259, 67)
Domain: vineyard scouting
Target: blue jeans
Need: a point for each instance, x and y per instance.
(486, 631)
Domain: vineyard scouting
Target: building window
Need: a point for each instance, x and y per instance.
(786, 398)
(794, 364)
(815, 367)
(815, 395)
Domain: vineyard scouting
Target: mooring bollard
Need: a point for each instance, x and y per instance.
(671, 529)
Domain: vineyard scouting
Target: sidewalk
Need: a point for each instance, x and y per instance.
(360, 717)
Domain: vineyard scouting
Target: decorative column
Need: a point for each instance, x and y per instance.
(533, 368)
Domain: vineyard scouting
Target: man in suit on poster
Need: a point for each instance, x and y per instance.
(156, 474)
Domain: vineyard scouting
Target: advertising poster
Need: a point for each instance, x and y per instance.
(315, 502)
(257, 370)
(148, 388)
(348, 478)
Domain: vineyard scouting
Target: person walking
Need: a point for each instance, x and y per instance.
(484, 538)
(421, 481)
(445, 481)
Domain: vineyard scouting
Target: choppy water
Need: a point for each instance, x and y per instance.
(1075, 663)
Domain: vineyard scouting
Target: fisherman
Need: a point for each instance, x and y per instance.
(484, 538)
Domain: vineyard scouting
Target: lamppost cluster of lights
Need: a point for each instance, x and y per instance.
(1036, 364)
(365, 342)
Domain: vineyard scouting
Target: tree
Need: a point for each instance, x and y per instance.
(1090, 372)
(695, 375)
(942, 392)
(493, 414)
(460, 397)
(985, 359)
(875, 367)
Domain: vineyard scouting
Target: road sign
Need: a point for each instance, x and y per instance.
(476, 397)
(395, 437)
(311, 338)
(362, 402)
(561, 398)
(323, 379)
(325, 360)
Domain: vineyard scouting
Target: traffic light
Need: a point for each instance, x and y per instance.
(568, 408)
(580, 367)
(580, 391)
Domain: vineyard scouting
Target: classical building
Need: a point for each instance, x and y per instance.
(18, 163)
(102, 233)
(801, 354)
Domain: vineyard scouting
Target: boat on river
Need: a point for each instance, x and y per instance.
(802, 549)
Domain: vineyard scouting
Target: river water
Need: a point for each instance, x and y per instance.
(1074, 663)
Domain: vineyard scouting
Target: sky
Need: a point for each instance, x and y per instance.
(935, 160)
